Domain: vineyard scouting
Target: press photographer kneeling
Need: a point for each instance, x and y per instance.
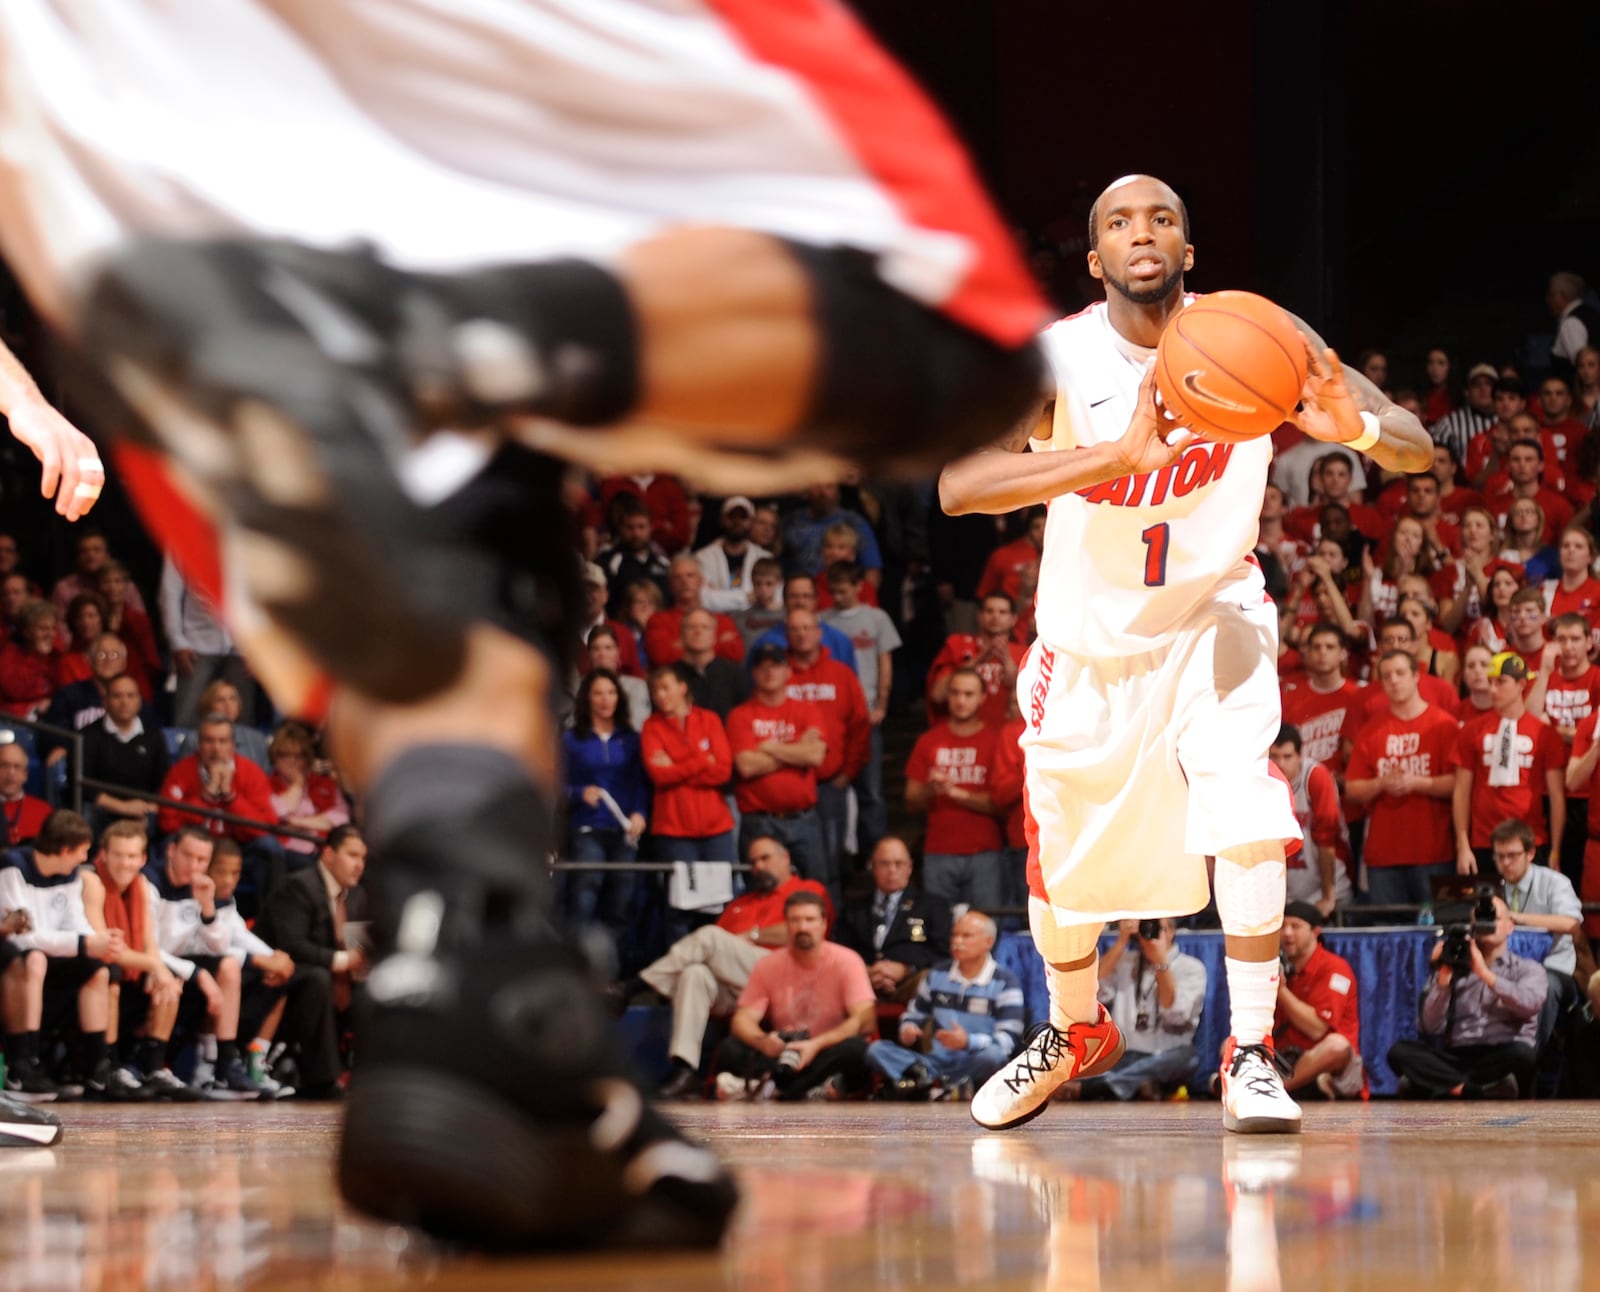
(1483, 1002)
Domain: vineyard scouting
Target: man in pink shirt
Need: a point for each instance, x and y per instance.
(819, 1009)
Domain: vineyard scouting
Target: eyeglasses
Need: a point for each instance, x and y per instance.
(1511, 856)
(109, 654)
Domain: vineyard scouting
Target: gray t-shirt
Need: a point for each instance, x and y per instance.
(871, 632)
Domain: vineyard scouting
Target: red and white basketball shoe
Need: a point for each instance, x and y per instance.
(1254, 1101)
(1049, 1058)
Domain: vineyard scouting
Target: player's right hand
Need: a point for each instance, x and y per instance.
(1143, 446)
(72, 470)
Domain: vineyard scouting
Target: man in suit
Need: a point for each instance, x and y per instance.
(899, 932)
(305, 915)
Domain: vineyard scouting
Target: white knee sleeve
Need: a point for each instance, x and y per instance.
(1250, 898)
(1057, 944)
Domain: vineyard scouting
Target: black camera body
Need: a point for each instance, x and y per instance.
(1463, 917)
(789, 1060)
(1149, 930)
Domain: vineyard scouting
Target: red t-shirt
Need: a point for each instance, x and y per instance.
(1005, 567)
(789, 789)
(836, 692)
(953, 827)
(1305, 523)
(1582, 743)
(1323, 719)
(1568, 702)
(1411, 829)
(24, 819)
(1557, 510)
(962, 650)
(1481, 445)
(1583, 600)
(663, 638)
(1436, 693)
(1328, 985)
(1457, 501)
(668, 504)
(752, 910)
(817, 999)
(1539, 750)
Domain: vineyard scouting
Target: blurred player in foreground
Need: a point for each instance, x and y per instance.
(299, 238)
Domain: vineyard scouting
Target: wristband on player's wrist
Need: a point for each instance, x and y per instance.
(1371, 431)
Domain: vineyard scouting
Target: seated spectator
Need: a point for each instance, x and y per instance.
(85, 622)
(633, 556)
(216, 777)
(194, 946)
(965, 1020)
(1523, 541)
(663, 637)
(131, 624)
(31, 667)
(604, 649)
(900, 933)
(947, 776)
(605, 779)
(800, 593)
(628, 661)
(301, 795)
(224, 698)
(992, 653)
(144, 1004)
(1400, 771)
(1505, 763)
(717, 682)
(804, 1016)
(90, 555)
(123, 750)
(765, 611)
(1540, 897)
(15, 592)
(1155, 993)
(1316, 1028)
(728, 561)
(1318, 873)
(80, 705)
(803, 533)
(703, 973)
(60, 974)
(1487, 1018)
(307, 916)
(283, 1006)
(777, 743)
(840, 544)
(24, 814)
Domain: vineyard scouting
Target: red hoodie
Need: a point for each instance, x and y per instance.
(688, 801)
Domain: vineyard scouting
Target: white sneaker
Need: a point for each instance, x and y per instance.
(731, 1088)
(1254, 1101)
(1049, 1058)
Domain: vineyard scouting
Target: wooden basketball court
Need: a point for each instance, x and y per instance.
(1138, 1197)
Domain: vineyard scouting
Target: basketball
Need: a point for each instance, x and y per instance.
(1231, 366)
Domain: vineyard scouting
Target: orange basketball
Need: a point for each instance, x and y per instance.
(1231, 366)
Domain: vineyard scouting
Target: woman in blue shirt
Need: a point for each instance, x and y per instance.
(607, 798)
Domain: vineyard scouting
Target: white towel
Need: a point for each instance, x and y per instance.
(700, 885)
(1503, 765)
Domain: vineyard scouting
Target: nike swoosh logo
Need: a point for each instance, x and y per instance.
(1096, 403)
(1192, 384)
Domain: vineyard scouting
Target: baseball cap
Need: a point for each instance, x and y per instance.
(737, 501)
(770, 653)
(1483, 370)
(1509, 664)
(592, 573)
(1304, 911)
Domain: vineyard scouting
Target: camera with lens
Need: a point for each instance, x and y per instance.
(1464, 912)
(1149, 930)
(789, 1060)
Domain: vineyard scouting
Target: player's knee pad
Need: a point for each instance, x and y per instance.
(1061, 944)
(900, 384)
(1250, 898)
(468, 824)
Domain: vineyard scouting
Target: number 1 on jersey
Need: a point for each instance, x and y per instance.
(1155, 555)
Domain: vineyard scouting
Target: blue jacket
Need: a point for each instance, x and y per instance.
(616, 766)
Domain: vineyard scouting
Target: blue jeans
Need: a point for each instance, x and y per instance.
(1404, 885)
(872, 815)
(973, 878)
(977, 1066)
(1014, 886)
(833, 812)
(801, 834)
(1134, 1068)
(597, 896)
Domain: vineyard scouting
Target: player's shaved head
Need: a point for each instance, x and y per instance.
(1100, 204)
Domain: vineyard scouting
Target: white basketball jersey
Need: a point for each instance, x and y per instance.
(1126, 562)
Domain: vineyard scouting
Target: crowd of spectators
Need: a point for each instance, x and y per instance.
(830, 674)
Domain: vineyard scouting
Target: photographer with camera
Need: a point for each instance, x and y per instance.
(1483, 1001)
(1154, 993)
(1316, 1027)
(819, 1006)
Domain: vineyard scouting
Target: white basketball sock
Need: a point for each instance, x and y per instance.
(1253, 997)
(1073, 994)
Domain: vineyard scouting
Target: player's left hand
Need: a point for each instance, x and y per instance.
(73, 473)
(1328, 411)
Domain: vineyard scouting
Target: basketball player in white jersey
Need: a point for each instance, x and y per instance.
(1150, 698)
(299, 238)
